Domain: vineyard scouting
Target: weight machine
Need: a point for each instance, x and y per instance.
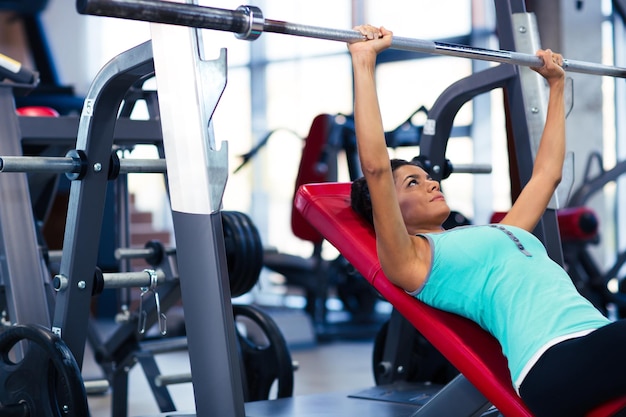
(192, 153)
(118, 353)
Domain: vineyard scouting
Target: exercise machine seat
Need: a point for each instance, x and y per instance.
(473, 351)
(309, 172)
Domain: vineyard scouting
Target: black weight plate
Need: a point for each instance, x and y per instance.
(47, 379)
(254, 253)
(265, 357)
(235, 251)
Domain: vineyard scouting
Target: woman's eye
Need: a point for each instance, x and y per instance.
(412, 183)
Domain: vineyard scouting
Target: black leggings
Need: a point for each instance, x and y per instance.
(574, 376)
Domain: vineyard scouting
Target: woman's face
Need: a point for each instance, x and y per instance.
(422, 204)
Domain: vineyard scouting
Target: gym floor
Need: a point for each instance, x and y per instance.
(331, 366)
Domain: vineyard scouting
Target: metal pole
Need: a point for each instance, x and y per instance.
(61, 165)
(146, 278)
(139, 253)
(247, 22)
(132, 279)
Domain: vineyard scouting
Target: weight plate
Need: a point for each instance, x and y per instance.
(265, 357)
(47, 379)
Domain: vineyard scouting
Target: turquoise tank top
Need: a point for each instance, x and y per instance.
(502, 278)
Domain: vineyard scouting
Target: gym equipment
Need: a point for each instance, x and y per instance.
(74, 166)
(474, 352)
(32, 42)
(45, 381)
(37, 111)
(73, 294)
(329, 137)
(593, 280)
(426, 364)
(264, 354)
(265, 358)
(192, 153)
(14, 71)
(247, 22)
(117, 354)
(244, 252)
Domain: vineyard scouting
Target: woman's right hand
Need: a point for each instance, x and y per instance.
(375, 40)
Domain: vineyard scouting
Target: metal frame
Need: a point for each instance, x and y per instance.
(189, 89)
(20, 258)
(529, 116)
(86, 204)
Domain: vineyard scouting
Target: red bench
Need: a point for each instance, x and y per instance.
(473, 351)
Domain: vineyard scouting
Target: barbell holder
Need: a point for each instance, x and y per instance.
(40, 164)
(139, 279)
(247, 22)
(74, 166)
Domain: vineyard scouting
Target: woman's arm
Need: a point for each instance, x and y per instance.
(396, 250)
(548, 166)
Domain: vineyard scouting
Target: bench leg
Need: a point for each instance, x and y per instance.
(458, 398)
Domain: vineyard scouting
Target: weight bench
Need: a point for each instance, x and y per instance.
(473, 351)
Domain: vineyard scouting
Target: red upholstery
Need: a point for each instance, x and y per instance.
(309, 172)
(37, 111)
(474, 352)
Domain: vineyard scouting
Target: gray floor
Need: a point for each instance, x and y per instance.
(333, 366)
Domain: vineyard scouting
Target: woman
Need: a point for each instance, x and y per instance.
(564, 356)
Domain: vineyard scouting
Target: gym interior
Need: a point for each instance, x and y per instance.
(216, 115)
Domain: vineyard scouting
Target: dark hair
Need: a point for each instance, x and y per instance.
(360, 199)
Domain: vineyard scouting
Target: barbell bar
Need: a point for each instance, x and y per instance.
(247, 22)
(74, 165)
(138, 279)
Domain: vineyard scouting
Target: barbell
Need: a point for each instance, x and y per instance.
(247, 22)
(74, 165)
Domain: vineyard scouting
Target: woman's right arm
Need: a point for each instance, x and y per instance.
(396, 249)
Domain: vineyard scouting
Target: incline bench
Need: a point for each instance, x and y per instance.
(473, 351)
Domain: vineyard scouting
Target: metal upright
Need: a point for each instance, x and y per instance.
(20, 258)
(525, 95)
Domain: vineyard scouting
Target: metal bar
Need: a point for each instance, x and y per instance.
(147, 278)
(61, 165)
(39, 164)
(247, 22)
(139, 166)
(139, 253)
(132, 279)
(471, 168)
(96, 386)
(164, 380)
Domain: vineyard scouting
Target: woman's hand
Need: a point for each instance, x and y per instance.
(375, 40)
(552, 69)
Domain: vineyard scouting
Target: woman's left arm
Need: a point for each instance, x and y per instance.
(548, 166)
